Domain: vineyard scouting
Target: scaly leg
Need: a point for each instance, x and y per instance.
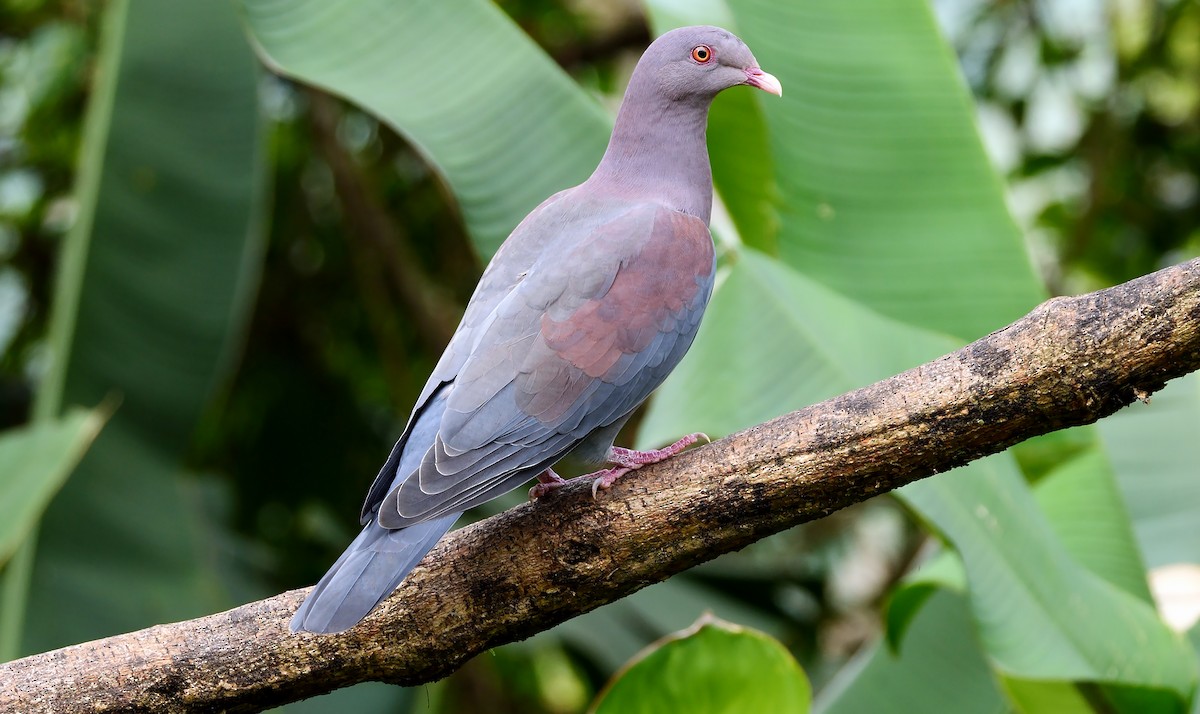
(625, 460)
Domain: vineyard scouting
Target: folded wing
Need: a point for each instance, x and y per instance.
(572, 348)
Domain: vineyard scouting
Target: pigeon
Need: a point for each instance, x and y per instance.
(582, 312)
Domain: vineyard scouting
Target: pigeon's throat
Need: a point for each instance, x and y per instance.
(658, 152)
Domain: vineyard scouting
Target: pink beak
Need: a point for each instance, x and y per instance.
(755, 77)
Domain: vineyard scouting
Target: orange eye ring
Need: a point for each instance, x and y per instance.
(702, 54)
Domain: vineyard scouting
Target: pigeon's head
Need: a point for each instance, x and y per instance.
(699, 62)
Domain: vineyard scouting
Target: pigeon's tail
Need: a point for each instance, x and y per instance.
(367, 572)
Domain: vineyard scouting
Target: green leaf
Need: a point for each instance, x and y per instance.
(878, 178)
(1043, 696)
(1193, 636)
(743, 168)
(1155, 448)
(887, 193)
(668, 14)
(1035, 697)
(943, 571)
(714, 666)
(1082, 504)
(1041, 614)
(939, 669)
(502, 123)
(154, 289)
(35, 461)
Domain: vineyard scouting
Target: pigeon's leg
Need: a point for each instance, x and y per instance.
(547, 481)
(627, 460)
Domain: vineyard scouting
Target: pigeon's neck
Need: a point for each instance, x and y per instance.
(658, 152)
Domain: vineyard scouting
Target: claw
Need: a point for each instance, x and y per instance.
(547, 481)
(606, 478)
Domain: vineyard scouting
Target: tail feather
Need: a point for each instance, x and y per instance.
(366, 573)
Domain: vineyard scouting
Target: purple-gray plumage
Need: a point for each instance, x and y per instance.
(584, 310)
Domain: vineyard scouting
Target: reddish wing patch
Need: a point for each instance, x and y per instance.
(650, 292)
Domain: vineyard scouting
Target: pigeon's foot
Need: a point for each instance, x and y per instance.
(547, 481)
(627, 460)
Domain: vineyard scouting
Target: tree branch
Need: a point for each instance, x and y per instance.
(1071, 361)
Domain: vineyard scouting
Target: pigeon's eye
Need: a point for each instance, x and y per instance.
(701, 53)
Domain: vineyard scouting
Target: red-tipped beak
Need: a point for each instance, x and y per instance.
(755, 77)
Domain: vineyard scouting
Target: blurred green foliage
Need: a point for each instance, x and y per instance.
(1090, 108)
(864, 232)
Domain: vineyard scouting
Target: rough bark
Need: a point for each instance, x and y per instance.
(1071, 361)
